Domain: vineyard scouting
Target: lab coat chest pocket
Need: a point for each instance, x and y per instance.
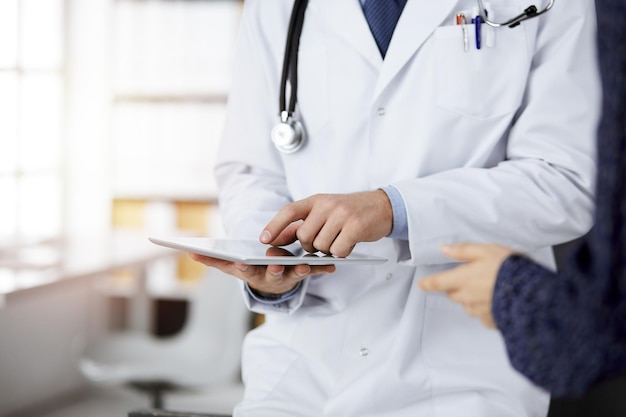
(313, 88)
(482, 83)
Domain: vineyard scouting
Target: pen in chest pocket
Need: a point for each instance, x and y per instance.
(478, 23)
(460, 20)
(484, 35)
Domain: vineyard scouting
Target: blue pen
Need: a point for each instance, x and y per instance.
(477, 24)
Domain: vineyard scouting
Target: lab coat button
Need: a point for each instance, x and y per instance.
(381, 111)
(389, 276)
(364, 352)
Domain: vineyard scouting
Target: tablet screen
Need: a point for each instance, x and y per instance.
(253, 252)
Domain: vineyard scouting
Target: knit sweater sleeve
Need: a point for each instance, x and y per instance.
(554, 325)
(566, 331)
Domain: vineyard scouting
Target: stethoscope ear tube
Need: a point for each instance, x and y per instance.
(530, 12)
(288, 135)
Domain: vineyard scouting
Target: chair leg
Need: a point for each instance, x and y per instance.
(157, 398)
(156, 391)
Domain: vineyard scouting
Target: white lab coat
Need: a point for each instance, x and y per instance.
(490, 145)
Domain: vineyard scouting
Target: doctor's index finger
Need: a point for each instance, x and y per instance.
(290, 213)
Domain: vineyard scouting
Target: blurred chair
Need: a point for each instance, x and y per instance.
(206, 353)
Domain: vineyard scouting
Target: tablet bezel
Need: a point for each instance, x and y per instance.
(212, 247)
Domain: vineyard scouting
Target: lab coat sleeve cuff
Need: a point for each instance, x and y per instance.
(287, 305)
(400, 228)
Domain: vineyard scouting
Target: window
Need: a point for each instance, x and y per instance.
(171, 77)
(103, 100)
(32, 80)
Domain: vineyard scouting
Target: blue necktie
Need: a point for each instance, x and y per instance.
(382, 16)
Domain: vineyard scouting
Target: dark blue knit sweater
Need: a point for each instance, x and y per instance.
(567, 331)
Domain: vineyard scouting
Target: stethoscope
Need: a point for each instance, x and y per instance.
(530, 12)
(289, 135)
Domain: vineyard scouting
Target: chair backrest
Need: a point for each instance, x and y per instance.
(206, 352)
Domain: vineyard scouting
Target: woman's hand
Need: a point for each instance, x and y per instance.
(470, 284)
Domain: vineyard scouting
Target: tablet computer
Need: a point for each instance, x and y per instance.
(253, 252)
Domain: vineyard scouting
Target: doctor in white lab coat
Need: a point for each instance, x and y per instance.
(492, 144)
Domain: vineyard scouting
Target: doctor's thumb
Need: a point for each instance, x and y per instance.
(265, 237)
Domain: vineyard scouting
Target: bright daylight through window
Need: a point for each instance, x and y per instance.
(31, 126)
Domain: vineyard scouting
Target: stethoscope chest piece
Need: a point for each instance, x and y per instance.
(288, 135)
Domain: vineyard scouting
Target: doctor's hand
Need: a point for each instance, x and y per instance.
(272, 279)
(332, 223)
(472, 283)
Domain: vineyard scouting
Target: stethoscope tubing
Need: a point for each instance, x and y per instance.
(290, 61)
(530, 12)
(288, 135)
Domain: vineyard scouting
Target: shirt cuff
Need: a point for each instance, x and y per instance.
(400, 228)
(274, 298)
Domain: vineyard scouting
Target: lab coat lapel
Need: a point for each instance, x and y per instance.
(347, 21)
(417, 22)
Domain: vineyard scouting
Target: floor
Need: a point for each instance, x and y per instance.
(114, 401)
(606, 400)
